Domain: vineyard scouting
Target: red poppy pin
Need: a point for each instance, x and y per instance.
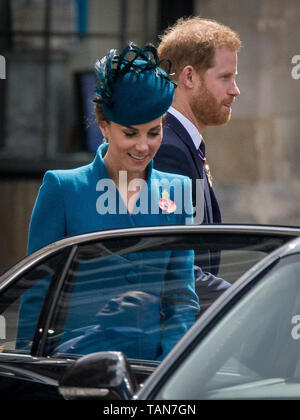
(165, 204)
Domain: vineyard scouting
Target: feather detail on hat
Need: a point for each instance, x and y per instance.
(105, 72)
(132, 58)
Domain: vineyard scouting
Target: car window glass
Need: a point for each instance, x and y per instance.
(140, 295)
(119, 302)
(21, 304)
(254, 346)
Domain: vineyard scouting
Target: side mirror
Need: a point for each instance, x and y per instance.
(100, 376)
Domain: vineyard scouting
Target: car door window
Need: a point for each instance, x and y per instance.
(137, 294)
(21, 304)
(149, 276)
(253, 351)
(140, 302)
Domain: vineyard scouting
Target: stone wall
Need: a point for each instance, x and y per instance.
(17, 200)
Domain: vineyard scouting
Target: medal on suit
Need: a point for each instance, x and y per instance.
(206, 166)
(208, 173)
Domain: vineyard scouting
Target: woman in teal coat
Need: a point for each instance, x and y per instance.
(120, 189)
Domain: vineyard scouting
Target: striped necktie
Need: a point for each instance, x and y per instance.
(201, 151)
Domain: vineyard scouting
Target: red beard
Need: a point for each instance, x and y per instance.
(207, 110)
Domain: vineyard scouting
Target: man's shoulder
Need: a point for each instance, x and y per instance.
(170, 177)
(171, 137)
(172, 128)
(175, 134)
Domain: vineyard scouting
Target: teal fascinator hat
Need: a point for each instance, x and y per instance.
(132, 88)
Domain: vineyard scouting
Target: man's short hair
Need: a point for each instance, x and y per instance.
(193, 41)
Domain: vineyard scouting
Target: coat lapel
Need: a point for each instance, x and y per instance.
(187, 140)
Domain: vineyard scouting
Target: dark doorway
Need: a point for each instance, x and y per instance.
(171, 10)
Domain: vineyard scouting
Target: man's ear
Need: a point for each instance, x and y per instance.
(187, 76)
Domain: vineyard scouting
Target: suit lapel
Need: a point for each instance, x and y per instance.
(187, 140)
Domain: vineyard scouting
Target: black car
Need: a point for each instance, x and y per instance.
(244, 343)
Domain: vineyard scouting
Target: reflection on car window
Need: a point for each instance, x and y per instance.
(140, 303)
(139, 295)
(251, 348)
(158, 273)
(120, 326)
(21, 304)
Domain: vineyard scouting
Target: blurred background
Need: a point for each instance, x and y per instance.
(48, 49)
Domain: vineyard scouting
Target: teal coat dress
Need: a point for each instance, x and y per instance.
(84, 199)
(74, 201)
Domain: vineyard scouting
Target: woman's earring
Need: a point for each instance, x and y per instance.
(104, 140)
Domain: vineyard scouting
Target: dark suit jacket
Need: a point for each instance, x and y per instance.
(177, 154)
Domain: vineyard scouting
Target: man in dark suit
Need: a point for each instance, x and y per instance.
(204, 61)
(179, 154)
